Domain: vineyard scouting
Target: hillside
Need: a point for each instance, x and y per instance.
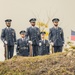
(54, 64)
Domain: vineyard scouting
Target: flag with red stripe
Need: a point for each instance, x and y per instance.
(72, 35)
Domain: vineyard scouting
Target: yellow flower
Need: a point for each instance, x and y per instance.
(46, 26)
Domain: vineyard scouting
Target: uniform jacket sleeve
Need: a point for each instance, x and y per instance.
(3, 35)
(14, 36)
(27, 32)
(39, 36)
(62, 35)
(17, 48)
(50, 35)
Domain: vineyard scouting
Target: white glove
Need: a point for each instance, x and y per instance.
(30, 42)
(5, 42)
(52, 43)
(40, 44)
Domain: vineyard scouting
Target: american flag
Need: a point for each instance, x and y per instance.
(72, 35)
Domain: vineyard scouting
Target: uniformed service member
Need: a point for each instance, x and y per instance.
(22, 45)
(43, 45)
(8, 36)
(33, 33)
(56, 36)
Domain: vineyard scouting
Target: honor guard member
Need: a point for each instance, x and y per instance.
(22, 45)
(43, 45)
(8, 37)
(33, 33)
(56, 36)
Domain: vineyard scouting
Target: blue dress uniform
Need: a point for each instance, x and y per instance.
(22, 46)
(43, 46)
(9, 35)
(34, 35)
(56, 36)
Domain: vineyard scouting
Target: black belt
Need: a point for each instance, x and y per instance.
(24, 48)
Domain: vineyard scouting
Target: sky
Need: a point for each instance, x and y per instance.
(20, 11)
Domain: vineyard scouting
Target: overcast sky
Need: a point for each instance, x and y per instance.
(20, 11)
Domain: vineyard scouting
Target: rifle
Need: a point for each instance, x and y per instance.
(31, 50)
(6, 51)
(52, 49)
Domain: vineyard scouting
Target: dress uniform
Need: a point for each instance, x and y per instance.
(56, 36)
(34, 35)
(22, 45)
(43, 46)
(8, 36)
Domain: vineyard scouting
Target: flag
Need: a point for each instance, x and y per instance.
(72, 35)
